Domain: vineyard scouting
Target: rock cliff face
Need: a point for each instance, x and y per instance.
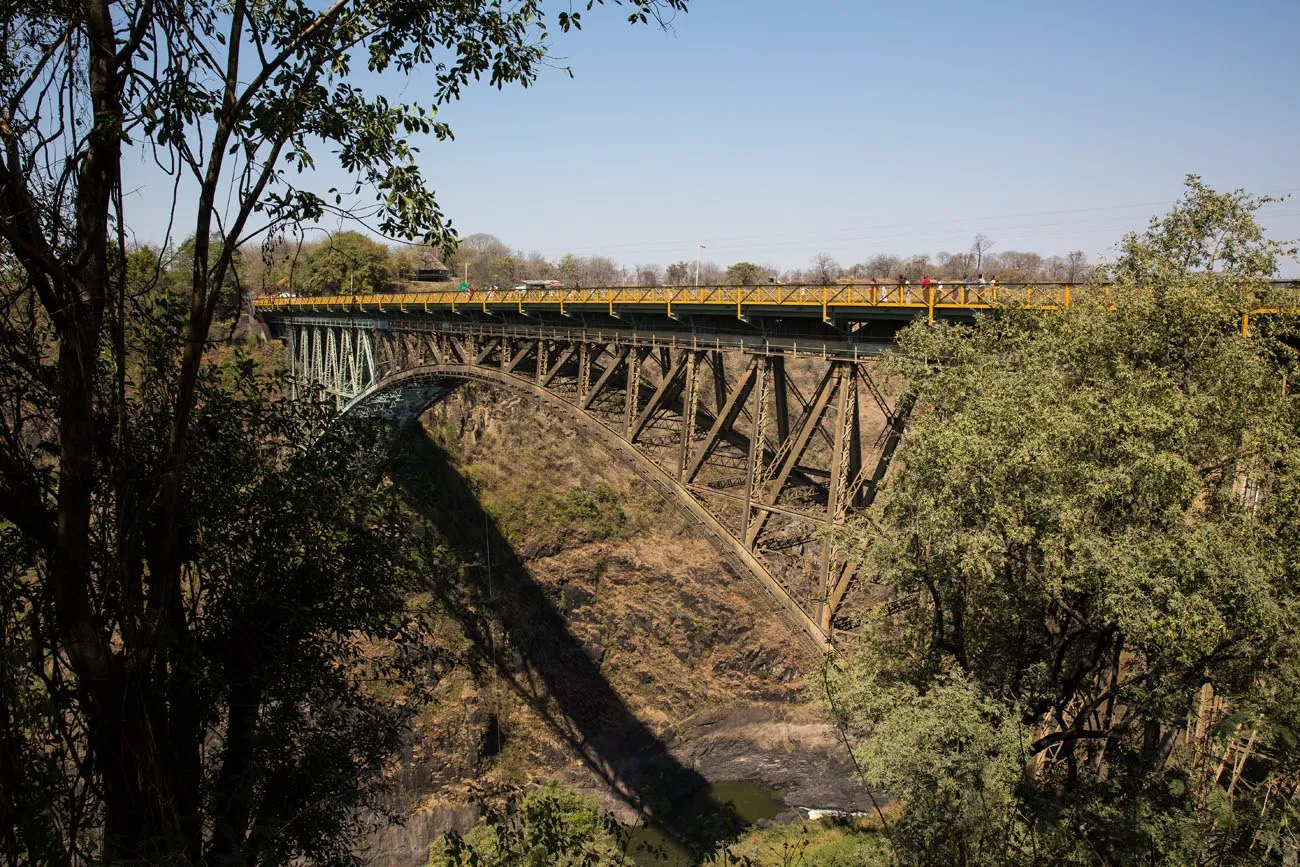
(592, 635)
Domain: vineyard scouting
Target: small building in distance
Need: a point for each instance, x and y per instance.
(432, 275)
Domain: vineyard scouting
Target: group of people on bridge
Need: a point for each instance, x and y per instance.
(548, 289)
(938, 284)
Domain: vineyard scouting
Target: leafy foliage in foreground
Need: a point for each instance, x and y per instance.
(1093, 537)
(549, 827)
(119, 632)
(290, 644)
(282, 668)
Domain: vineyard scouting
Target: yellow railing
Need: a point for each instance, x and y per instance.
(858, 294)
(915, 297)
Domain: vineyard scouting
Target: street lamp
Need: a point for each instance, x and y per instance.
(698, 248)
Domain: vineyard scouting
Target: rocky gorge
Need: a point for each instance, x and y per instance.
(592, 635)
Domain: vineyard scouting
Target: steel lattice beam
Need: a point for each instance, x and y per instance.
(703, 422)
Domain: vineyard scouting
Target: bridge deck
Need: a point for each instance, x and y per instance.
(844, 302)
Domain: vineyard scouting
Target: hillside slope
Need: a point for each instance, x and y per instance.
(598, 637)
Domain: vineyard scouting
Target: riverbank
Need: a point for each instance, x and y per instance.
(761, 763)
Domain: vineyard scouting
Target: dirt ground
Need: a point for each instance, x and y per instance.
(599, 638)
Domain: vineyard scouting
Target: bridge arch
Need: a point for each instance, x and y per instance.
(768, 441)
(404, 396)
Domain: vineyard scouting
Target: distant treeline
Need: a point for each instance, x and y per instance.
(350, 262)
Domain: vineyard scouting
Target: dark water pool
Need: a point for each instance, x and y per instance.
(712, 815)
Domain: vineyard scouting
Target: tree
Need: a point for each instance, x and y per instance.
(535, 266)
(551, 825)
(710, 274)
(295, 558)
(237, 98)
(746, 274)
(1020, 266)
(275, 264)
(917, 267)
(884, 267)
(1209, 234)
(502, 272)
(406, 260)
(570, 269)
(347, 262)
(680, 273)
(648, 275)
(825, 269)
(979, 249)
(478, 258)
(601, 271)
(1094, 521)
(954, 265)
(1071, 268)
(1076, 266)
(951, 753)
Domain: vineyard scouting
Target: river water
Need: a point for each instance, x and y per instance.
(716, 812)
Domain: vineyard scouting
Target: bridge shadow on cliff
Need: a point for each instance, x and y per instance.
(542, 661)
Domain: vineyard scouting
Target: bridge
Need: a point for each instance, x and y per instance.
(757, 408)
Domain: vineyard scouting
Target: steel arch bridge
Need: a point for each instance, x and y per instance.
(758, 409)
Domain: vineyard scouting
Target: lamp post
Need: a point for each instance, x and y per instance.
(698, 248)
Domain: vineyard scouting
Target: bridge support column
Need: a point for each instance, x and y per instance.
(780, 390)
(543, 357)
(719, 369)
(632, 405)
(690, 408)
(754, 460)
(291, 348)
(584, 371)
(842, 472)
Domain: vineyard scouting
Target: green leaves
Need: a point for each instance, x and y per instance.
(1095, 508)
(1207, 233)
(551, 826)
(347, 262)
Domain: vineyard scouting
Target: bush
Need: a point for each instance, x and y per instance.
(821, 843)
(551, 827)
(546, 523)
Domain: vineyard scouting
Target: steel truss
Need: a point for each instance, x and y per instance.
(771, 451)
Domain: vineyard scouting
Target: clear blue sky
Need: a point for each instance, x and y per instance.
(771, 131)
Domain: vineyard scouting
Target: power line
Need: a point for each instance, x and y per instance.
(889, 231)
